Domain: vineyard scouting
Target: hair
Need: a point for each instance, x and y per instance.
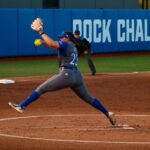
(71, 36)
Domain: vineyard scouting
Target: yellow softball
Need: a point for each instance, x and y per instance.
(37, 42)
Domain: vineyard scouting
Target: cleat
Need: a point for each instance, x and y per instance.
(16, 106)
(112, 118)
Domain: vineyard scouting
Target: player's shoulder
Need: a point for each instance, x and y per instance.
(62, 42)
(62, 45)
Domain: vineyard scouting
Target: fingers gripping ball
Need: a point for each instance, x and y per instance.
(38, 42)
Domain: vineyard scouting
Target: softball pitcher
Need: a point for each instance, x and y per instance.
(69, 75)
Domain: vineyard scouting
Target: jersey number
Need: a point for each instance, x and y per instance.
(74, 60)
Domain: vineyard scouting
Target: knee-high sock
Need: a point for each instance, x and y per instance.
(96, 103)
(34, 96)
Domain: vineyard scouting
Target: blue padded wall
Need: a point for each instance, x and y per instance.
(107, 30)
(9, 31)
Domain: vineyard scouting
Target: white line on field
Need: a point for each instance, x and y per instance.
(124, 73)
(117, 127)
(74, 128)
(38, 78)
(75, 141)
(84, 128)
(68, 115)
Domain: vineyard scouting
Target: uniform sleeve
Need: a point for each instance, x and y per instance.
(62, 46)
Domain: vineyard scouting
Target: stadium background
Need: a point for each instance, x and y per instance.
(60, 120)
(17, 17)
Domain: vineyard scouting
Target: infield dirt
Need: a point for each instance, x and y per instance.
(62, 121)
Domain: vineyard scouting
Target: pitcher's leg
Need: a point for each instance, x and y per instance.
(34, 96)
(54, 83)
(83, 93)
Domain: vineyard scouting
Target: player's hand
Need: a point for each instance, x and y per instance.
(37, 25)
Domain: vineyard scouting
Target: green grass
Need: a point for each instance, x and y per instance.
(48, 67)
(123, 63)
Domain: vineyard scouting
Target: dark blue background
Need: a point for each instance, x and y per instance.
(17, 38)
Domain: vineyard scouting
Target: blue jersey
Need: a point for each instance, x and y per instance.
(68, 54)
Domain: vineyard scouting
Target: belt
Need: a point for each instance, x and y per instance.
(67, 67)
